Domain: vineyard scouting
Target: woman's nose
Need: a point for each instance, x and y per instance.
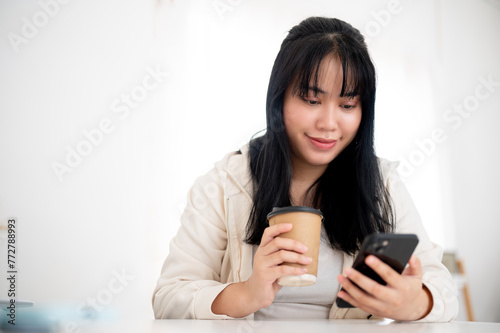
(327, 119)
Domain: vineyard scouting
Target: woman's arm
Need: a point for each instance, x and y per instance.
(425, 291)
(191, 286)
(435, 276)
(190, 278)
(436, 279)
(242, 299)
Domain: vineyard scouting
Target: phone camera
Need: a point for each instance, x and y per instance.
(379, 248)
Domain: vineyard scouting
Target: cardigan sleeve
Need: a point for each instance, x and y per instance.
(436, 277)
(191, 275)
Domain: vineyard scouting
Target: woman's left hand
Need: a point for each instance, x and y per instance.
(403, 298)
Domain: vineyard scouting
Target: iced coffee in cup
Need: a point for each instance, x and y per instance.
(306, 229)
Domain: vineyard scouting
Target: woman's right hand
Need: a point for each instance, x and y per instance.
(241, 299)
(274, 250)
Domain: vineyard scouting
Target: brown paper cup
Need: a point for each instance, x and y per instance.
(307, 230)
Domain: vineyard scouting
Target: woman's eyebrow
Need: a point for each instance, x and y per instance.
(316, 90)
(351, 95)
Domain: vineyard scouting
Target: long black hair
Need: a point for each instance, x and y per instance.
(350, 193)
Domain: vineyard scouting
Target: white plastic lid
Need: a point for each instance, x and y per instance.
(297, 280)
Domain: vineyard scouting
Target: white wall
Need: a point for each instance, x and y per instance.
(119, 207)
(471, 159)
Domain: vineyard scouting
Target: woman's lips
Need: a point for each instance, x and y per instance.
(322, 143)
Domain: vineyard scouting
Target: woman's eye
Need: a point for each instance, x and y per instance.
(348, 107)
(310, 101)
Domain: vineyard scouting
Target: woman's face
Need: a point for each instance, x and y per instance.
(320, 125)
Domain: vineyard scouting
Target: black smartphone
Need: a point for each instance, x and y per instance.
(393, 249)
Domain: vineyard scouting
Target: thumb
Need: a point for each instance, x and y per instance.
(414, 267)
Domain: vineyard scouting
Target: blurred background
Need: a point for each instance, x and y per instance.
(109, 110)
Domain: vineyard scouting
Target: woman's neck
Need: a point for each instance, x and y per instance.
(303, 177)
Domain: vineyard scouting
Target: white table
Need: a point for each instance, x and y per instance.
(291, 326)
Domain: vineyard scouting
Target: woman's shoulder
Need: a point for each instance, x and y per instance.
(388, 169)
(234, 161)
(233, 168)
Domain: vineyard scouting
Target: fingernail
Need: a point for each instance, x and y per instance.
(348, 271)
(309, 259)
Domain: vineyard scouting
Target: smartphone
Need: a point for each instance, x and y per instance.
(393, 249)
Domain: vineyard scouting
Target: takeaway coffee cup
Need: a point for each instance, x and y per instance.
(306, 229)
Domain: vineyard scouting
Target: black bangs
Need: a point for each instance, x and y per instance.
(356, 66)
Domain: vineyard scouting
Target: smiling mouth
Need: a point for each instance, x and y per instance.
(322, 143)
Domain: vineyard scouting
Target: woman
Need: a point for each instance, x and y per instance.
(317, 151)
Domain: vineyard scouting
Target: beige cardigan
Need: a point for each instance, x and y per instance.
(208, 253)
